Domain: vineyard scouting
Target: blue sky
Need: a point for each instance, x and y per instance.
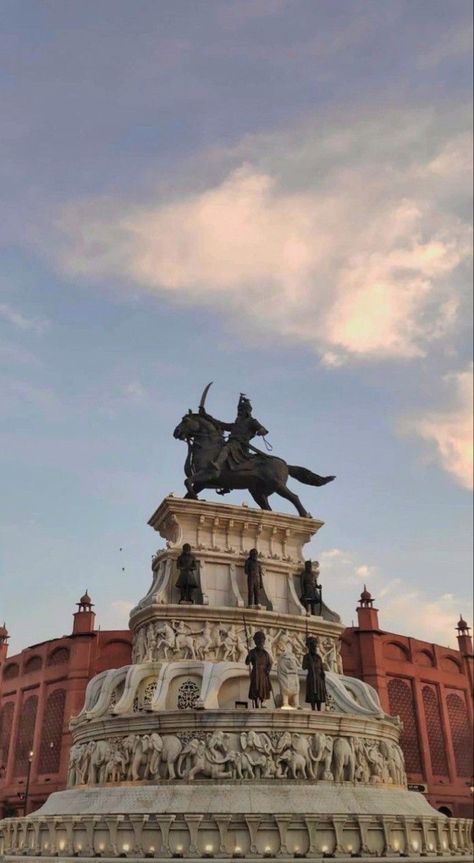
(270, 195)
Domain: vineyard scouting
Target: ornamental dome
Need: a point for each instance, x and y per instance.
(462, 626)
(85, 603)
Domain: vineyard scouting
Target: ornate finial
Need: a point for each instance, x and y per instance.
(366, 599)
(85, 603)
(462, 626)
(3, 634)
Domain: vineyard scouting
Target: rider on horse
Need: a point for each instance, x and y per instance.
(236, 449)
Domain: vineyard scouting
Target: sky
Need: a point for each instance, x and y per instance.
(270, 194)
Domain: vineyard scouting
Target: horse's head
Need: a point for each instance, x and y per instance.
(188, 427)
(195, 425)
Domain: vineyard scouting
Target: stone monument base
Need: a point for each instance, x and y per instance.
(235, 820)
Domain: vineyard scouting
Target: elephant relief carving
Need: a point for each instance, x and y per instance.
(343, 759)
(249, 755)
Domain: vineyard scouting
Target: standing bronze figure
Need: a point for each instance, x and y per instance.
(235, 463)
(254, 572)
(316, 679)
(311, 591)
(187, 579)
(260, 663)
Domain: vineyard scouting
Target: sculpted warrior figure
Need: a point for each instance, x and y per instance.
(242, 430)
(261, 664)
(316, 678)
(254, 572)
(310, 589)
(234, 463)
(187, 568)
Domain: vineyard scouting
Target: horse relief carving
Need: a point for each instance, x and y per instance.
(217, 642)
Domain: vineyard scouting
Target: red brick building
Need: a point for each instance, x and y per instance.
(428, 686)
(40, 689)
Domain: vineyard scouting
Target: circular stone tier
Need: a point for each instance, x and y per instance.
(248, 783)
(173, 632)
(237, 745)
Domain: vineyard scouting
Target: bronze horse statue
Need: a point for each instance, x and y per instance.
(262, 475)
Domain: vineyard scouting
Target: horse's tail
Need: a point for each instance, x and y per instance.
(302, 474)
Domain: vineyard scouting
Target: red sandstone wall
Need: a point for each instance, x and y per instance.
(40, 689)
(428, 686)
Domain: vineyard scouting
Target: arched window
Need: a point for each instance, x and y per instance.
(401, 702)
(33, 664)
(25, 737)
(10, 671)
(58, 656)
(434, 728)
(448, 663)
(6, 727)
(51, 733)
(424, 658)
(394, 650)
(461, 734)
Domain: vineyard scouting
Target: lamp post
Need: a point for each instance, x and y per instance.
(27, 789)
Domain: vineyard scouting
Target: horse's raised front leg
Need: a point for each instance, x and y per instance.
(285, 492)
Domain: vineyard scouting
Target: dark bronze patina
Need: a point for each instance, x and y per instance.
(311, 591)
(316, 678)
(253, 571)
(187, 579)
(260, 663)
(234, 463)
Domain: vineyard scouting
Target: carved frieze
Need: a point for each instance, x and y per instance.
(250, 754)
(218, 642)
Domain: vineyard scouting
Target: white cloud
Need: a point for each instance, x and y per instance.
(409, 611)
(117, 614)
(348, 239)
(403, 608)
(449, 432)
(21, 321)
(135, 391)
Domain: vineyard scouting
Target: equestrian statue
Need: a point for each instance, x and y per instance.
(226, 464)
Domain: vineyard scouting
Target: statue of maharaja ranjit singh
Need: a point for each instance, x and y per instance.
(226, 464)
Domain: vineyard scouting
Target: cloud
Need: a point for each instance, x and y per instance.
(449, 432)
(351, 239)
(135, 391)
(117, 614)
(403, 608)
(22, 322)
(409, 611)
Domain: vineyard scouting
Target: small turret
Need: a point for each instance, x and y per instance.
(84, 617)
(464, 636)
(3, 642)
(366, 613)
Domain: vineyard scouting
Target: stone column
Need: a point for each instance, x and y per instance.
(223, 822)
(193, 822)
(164, 823)
(283, 822)
(364, 821)
(253, 823)
(338, 822)
(311, 822)
(387, 825)
(112, 824)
